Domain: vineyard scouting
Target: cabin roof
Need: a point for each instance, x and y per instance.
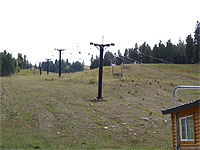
(181, 107)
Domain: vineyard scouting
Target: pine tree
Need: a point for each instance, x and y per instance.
(169, 51)
(196, 51)
(126, 53)
(189, 49)
(133, 53)
(155, 53)
(162, 48)
(119, 58)
(7, 64)
(108, 59)
(179, 55)
(94, 62)
(144, 53)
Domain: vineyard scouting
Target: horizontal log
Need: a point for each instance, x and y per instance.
(196, 121)
(196, 117)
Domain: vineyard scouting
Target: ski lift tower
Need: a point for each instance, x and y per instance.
(101, 48)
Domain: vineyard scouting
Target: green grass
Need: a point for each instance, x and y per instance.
(48, 112)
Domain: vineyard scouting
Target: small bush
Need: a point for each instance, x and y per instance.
(92, 81)
(123, 80)
(141, 124)
(36, 147)
(51, 79)
(172, 84)
(179, 100)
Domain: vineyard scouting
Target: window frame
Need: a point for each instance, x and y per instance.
(180, 124)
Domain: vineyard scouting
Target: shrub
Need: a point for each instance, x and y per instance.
(150, 113)
(51, 79)
(92, 81)
(172, 84)
(179, 100)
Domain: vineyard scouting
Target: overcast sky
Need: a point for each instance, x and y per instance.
(35, 27)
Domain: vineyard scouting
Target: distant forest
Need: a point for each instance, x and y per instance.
(181, 53)
(66, 67)
(10, 65)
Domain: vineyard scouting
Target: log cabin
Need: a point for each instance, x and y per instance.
(185, 120)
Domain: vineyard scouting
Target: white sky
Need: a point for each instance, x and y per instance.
(35, 27)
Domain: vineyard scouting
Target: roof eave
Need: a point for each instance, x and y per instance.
(179, 108)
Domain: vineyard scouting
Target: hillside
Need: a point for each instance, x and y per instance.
(48, 112)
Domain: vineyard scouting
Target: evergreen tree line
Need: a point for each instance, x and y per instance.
(180, 53)
(66, 67)
(10, 65)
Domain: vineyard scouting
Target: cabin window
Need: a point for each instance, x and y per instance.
(186, 128)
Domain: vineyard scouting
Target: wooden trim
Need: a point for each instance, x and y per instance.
(198, 121)
(197, 117)
(190, 147)
(173, 135)
(186, 142)
(194, 127)
(197, 128)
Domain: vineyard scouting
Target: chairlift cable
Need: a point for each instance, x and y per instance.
(172, 74)
(166, 61)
